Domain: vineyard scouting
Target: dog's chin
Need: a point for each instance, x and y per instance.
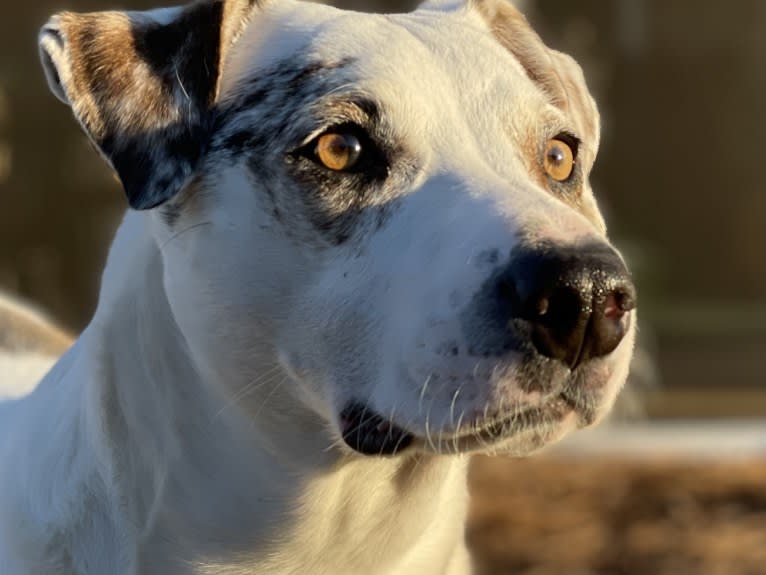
(519, 433)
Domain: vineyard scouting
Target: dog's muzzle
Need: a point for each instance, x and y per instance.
(554, 311)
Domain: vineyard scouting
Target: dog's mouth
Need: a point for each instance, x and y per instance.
(369, 433)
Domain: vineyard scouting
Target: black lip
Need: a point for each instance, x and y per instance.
(368, 433)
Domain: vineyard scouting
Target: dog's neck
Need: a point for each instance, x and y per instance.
(188, 477)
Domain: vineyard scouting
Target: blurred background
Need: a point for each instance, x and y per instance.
(681, 87)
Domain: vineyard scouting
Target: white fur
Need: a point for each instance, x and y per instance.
(193, 428)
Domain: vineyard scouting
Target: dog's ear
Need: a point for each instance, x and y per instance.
(142, 85)
(557, 74)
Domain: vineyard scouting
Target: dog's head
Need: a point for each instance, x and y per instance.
(392, 211)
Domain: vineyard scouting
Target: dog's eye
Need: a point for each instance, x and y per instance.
(338, 151)
(559, 160)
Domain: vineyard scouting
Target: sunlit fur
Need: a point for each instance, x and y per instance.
(29, 345)
(193, 428)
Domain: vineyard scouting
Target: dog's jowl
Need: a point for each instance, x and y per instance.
(358, 247)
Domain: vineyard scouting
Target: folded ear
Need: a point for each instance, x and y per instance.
(557, 74)
(142, 85)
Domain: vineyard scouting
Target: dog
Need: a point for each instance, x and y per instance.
(360, 248)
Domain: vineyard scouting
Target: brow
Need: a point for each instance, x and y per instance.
(279, 95)
(280, 84)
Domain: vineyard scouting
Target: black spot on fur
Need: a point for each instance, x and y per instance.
(152, 170)
(252, 99)
(488, 257)
(187, 50)
(263, 123)
(486, 326)
(242, 140)
(283, 81)
(171, 213)
(153, 130)
(184, 55)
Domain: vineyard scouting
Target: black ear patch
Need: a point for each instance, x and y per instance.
(142, 84)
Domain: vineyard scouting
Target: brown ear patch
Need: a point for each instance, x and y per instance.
(557, 75)
(143, 84)
(109, 86)
(513, 31)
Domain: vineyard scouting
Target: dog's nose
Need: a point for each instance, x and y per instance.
(575, 299)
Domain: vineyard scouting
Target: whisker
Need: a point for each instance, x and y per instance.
(429, 440)
(262, 379)
(423, 392)
(452, 406)
(391, 424)
(269, 396)
(334, 445)
(459, 424)
(183, 231)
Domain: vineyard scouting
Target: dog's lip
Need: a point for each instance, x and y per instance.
(505, 425)
(540, 424)
(368, 433)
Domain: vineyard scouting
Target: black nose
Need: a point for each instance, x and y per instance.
(575, 299)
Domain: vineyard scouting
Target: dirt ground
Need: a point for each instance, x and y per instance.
(590, 517)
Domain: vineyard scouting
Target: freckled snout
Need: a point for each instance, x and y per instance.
(575, 300)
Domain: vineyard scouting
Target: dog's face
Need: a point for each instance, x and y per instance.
(392, 211)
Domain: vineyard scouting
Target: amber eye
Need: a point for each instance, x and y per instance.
(559, 160)
(338, 152)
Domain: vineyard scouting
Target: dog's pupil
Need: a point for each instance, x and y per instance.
(556, 155)
(338, 151)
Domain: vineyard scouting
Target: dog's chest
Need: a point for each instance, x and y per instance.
(379, 518)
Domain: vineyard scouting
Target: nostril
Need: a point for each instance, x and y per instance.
(619, 301)
(626, 298)
(609, 323)
(559, 322)
(613, 306)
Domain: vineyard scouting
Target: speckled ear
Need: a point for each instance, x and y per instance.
(557, 74)
(142, 85)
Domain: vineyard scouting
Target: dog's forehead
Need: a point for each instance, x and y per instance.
(435, 52)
